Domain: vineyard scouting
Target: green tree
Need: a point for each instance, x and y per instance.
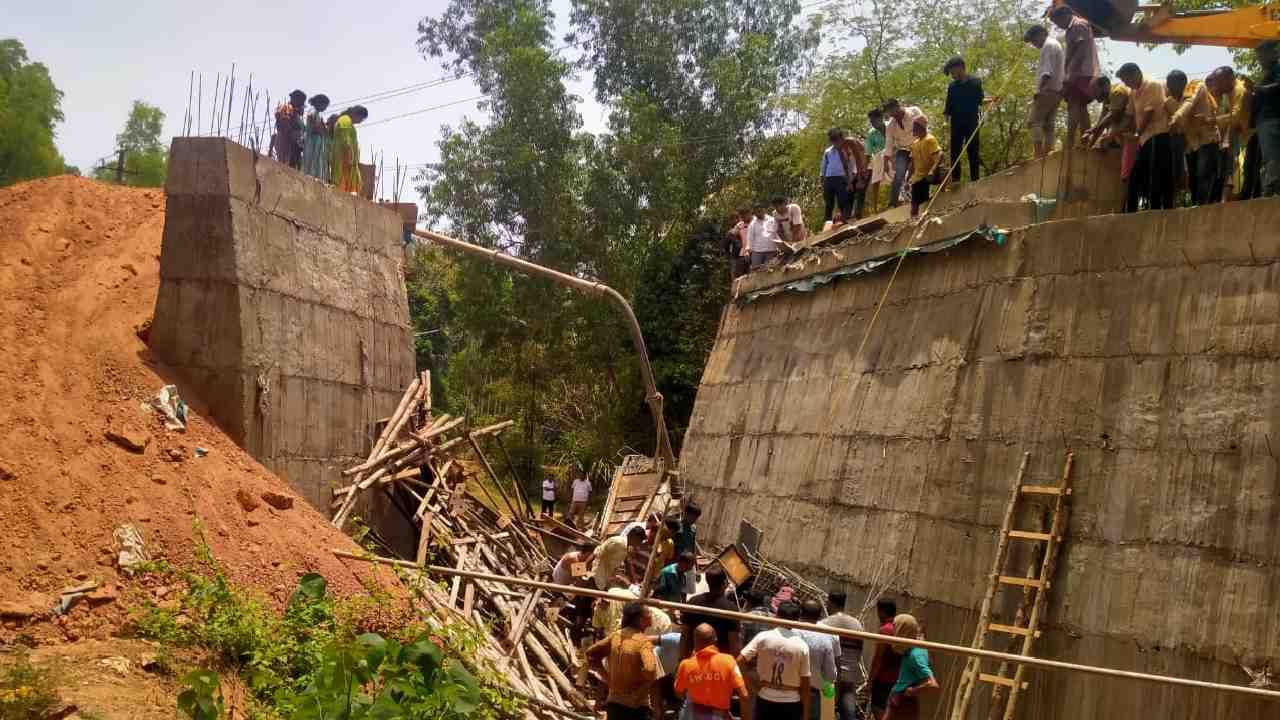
(146, 157)
(30, 107)
(899, 52)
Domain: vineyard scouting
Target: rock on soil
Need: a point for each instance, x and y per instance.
(130, 438)
(277, 501)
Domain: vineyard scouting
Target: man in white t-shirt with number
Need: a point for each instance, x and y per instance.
(782, 663)
(581, 495)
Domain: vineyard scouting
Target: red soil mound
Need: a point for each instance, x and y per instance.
(78, 275)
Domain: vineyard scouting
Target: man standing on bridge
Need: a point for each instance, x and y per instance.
(1081, 68)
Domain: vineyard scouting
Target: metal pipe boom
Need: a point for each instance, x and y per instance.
(652, 396)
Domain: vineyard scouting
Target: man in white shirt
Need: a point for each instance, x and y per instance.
(762, 237)
(581, 494)
(1050, 72)
(849, 660)
(549, 496)
(898, 139)
(782, 662)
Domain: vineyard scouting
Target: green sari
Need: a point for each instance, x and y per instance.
(345, 156)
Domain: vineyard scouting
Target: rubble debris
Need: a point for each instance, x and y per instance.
(32, 605)
(130, 438)
(497, 533)
(169, 404)
(133, 552)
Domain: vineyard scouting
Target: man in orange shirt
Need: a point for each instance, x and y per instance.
(710, 678)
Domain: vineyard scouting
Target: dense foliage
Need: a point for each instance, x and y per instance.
(625, 207)
(30, 106)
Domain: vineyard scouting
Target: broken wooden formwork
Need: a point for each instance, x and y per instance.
(418, 456)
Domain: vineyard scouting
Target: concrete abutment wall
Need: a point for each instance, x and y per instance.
(282, 304)
(1148, 344)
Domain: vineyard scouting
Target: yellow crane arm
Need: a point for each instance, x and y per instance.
(1127, 20)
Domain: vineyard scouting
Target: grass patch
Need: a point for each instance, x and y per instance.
(26, 691)
(322, 657)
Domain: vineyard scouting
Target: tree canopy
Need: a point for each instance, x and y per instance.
(30, 107)
(711, 105)
(145, 155)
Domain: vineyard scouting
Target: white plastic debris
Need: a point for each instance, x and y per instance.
(168, 403)
(133, 553)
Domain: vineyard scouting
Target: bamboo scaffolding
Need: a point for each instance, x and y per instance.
(1029, 661)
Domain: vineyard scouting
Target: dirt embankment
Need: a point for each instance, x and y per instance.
(79, 273)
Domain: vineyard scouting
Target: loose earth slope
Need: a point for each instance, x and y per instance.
(78, 277)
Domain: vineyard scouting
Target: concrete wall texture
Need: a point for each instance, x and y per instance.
(282, 302)
(1148, 344)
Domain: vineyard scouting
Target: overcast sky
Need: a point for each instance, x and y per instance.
(106, 53)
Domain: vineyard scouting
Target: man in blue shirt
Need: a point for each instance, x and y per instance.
(835, 177)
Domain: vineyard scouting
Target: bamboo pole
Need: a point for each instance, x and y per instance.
(1042, 663)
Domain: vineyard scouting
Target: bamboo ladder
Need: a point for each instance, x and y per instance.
(1036, 581)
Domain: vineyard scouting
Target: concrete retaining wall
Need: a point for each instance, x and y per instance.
(282, 304)
(1149, 344)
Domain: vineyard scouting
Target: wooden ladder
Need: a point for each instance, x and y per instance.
(1035, 585)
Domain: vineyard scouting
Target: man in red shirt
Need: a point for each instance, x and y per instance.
(710, 678)
(885, 663)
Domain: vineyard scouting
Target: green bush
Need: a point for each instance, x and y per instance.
(26, 691)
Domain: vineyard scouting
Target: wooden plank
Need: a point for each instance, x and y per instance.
(1011, 630)
(1027, 535)
(469, 601)
(999, 680)
(457, 580)
(1044, 490)
(1026, 582)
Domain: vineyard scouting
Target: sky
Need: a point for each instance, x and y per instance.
(108, 53)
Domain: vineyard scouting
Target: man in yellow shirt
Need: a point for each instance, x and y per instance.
(1234, 103)
(1152, 175)
(1115, 121)
(926, 153)
(1193, 116)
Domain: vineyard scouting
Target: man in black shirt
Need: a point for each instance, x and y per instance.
(727, 631)
(964, 100)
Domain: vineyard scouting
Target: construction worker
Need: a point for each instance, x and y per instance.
(1194, 118)
(1152, 175)
(1234, 105)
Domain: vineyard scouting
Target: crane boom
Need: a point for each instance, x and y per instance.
(1130, 21)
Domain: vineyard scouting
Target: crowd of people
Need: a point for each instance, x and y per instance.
(702, 666)
(324, 148)
(1182, 142)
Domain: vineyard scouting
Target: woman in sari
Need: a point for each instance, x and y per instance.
(914, 674)
(315, 151)
(345, 155)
